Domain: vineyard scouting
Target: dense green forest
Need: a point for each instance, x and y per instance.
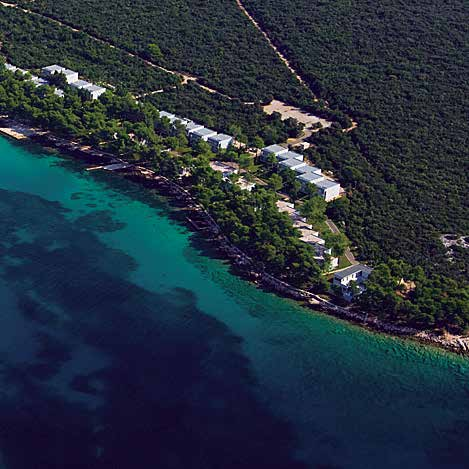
(31, 42)
(400, 68)
(211, 39)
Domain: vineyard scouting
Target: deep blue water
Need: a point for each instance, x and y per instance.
(122, 346)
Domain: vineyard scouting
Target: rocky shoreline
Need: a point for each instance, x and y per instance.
(200, 220)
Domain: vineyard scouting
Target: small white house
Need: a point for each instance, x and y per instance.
(168, 115)
(80, 84)
(95, 91)
(220, 142)
(357, 274)
(308, 178)
(191, 126)
(327, 189)
(323, 253)
(308, 169)
(274, 150)
(201, 134)
(289, 155)
(70, 75)
(10, 67)
(291, 163)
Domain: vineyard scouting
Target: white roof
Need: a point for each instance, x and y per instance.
(220, 138)
(192, 126)
(294, 155)
(92, 88)
(80, 84)
(58, 69)
(168, 115)
(53, 68)
(308, 169)
(292, 163)
(354, 269)
(326, 184)
(275, 149)
(310, 177)
(203, 132)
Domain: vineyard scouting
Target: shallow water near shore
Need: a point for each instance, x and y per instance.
(122, 346)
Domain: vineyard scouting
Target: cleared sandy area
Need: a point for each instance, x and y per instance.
(296, 113)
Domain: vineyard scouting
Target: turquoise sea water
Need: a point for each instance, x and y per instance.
(122, 346)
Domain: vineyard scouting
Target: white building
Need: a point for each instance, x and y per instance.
(272, 150)
(201, 134)
(292, 155)
(168, 115)
(327, 189)
(308, 169)
(80, 84)
(291, 163)
(92, 90)
(95, 91)
(358, 274)
(308, 178)
(220, 142)
(13, 68)
(38, 81)
(191, 126)
(70, 75)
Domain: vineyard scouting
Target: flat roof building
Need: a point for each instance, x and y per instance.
(293, 155)
(328, 189)
(272, 150)
(220, 142)
(70, 75)
(308, 169)
(356, 273)
(309, 178)
(291, 163)
(95, 91)
(80, 84)
(168, 115)
(202, 134)
(191, 126)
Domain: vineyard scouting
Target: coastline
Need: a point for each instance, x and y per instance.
(200, 220)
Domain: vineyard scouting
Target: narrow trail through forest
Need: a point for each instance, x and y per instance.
(282, 57)
(272, 45)
(185, 78)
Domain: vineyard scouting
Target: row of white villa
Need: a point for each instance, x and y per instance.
(326, 188)
(37, 81)
(351, 280)
(71, 77)
(308, 235)
(197, 132)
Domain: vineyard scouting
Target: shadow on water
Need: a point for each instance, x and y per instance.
(164, 386)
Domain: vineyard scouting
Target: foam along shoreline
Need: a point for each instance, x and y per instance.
(456, 344)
